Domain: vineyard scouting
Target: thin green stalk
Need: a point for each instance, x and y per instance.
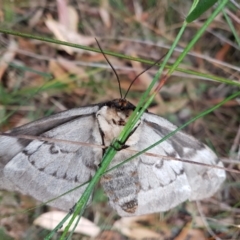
(59, 226)
(81, 204)
(210, 76)
(112, 54)
(198, 35)
(140, 109)
(233, 30)
(187, 49)
(76, 223)
(55, 41)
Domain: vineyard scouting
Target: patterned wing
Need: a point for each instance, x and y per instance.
(204, 181)
(146, 184)
(46, 170)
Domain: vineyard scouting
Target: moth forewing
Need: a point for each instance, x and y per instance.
(144, 185)
(46, 170)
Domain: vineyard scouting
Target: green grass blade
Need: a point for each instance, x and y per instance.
(231, 26)
(201, 7)
(198, 35)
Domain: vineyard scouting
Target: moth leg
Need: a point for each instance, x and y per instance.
(72, 209)
(103, 151)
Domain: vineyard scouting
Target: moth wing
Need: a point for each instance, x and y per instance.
(146, 184)
(204, 181)
(46, 170)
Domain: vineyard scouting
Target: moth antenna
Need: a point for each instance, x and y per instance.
(142, 73)
(119, 84)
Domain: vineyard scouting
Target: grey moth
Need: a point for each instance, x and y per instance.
(146, 184)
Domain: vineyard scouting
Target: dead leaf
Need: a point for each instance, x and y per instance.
(104, 13)
(35, 18)
(192, 234)
(184, 233)
(130, 227)
(26, 45)
(109, 235)
(222, 53)
(191, 89)
(71, 67)
(50, 220)
(57, 70)
(174, 89)
(138, 10)
(196, 234)
(176, 104)
(67, 15)
(144, 78)
(73, 19)
(169, 107)
(63, 15)
(7, 57)
(63, 33)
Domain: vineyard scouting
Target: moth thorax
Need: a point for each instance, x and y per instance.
(111, 122)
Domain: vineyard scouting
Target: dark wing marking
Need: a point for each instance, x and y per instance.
(179, 141)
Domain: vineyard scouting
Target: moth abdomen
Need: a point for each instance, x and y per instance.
(122, 187)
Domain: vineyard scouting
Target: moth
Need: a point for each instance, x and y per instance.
(144, 185)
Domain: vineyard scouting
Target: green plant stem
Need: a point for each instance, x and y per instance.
(55, 41)
(81, 204)
(59, 226)
(141, 107)
(115, 54)
(198, 35)
(230, 24)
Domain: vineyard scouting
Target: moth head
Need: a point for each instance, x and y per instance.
(115, 113)
(112, 117)
(121, 104)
